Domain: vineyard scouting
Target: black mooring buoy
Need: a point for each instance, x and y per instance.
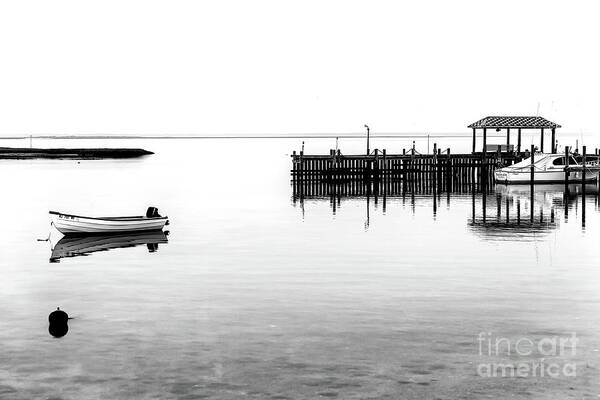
(58, 323)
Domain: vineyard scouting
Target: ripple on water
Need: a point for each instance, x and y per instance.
(223, 386)
(437, 367)
(4, 389)
(421, 372)
(328, 394)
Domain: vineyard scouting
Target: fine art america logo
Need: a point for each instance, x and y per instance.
(526, 357)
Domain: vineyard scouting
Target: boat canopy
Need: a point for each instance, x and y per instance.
(544, 159)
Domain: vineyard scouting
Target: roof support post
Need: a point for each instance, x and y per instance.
(484, 166)
(531, 172)
(484, 140)
(553, 140)
(507, 138)
(519, 141)
(542, 140)
(474, 140)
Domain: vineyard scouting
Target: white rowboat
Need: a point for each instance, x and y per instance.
(69, 224)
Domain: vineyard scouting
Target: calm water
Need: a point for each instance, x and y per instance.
(256, 295)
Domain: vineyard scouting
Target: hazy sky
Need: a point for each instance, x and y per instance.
(201, 67)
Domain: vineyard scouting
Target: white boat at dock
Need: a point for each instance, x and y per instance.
(69, 224)
(548, 168)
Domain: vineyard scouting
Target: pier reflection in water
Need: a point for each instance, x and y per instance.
(498, 212)
(520, 213)
(74, 246)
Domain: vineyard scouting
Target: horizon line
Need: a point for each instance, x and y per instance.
(334, 135)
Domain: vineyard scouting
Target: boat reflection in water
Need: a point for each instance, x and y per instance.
(83, 245)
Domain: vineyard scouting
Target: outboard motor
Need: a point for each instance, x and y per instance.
(152, 212)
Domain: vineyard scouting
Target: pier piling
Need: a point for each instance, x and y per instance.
(583, 164)
(567, 169)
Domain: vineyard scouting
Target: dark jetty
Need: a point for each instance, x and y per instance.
(78, 154)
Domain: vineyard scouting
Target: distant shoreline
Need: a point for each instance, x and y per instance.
(16, 153)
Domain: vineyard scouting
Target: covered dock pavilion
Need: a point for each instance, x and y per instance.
(514, 122)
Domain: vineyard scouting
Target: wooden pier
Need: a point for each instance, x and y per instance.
(382, 172)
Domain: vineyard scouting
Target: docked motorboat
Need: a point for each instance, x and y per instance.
(548, 168)
(69, 224)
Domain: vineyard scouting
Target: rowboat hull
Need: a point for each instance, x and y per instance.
(69, 224)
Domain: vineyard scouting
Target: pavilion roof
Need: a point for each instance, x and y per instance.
(513, 122)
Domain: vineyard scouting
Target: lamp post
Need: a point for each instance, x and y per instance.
(368, 134)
